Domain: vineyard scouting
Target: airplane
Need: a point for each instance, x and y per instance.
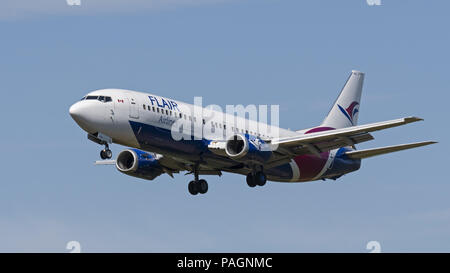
(210, 144)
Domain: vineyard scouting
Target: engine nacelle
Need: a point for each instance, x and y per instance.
(138, 163)
(245, 148)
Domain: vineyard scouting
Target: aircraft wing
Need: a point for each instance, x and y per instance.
(284, 149)
(316, 143)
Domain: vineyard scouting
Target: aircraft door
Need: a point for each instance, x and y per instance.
(134, 108)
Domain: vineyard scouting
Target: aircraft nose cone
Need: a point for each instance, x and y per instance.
(75, 111)
(81, 114)
(88, 115)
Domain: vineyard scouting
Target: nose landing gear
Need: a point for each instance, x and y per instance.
(106, 153)
(102, 139)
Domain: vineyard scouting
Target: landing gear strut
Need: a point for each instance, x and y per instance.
(106, 153)
(256, 179)
(102, 139)
(197, 185)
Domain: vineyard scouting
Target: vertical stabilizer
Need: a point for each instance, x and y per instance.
(344, 112)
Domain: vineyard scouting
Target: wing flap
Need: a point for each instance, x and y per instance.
(384, 150)
(330, 145)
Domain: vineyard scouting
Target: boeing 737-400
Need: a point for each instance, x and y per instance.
(168, 136)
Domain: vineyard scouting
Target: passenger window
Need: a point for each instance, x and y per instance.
(203, 120)
(148, 107)
(143, 105)
(157, 110)
(167, 112)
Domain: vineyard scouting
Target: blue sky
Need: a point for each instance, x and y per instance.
(293, 53)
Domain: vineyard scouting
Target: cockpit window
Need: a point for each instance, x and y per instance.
(83, 98)
(99, 98)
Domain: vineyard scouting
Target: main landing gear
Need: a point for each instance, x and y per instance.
(256, 179)
(106, 153)
(197, 186)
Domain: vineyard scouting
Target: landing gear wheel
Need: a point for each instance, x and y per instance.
(108, 153)
(192, 187)
(250, 180)
(102, 154)
(197, 185)
(105, 154)
(260, 179)
(202, 186)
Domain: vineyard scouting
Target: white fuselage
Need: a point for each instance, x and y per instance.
(112, 118)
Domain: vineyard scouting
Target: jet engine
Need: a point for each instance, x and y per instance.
(245, 148)
(139, 164)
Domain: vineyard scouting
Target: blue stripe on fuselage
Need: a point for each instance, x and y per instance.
(149, 135)
(342, 164)
(159, 140)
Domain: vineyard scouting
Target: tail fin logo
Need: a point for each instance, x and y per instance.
(350, 111)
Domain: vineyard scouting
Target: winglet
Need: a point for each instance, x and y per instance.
(412, 119)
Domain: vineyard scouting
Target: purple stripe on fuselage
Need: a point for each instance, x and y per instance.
(318, 129)
(311, 165)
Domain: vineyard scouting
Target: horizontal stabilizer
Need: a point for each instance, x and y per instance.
(384, 150)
